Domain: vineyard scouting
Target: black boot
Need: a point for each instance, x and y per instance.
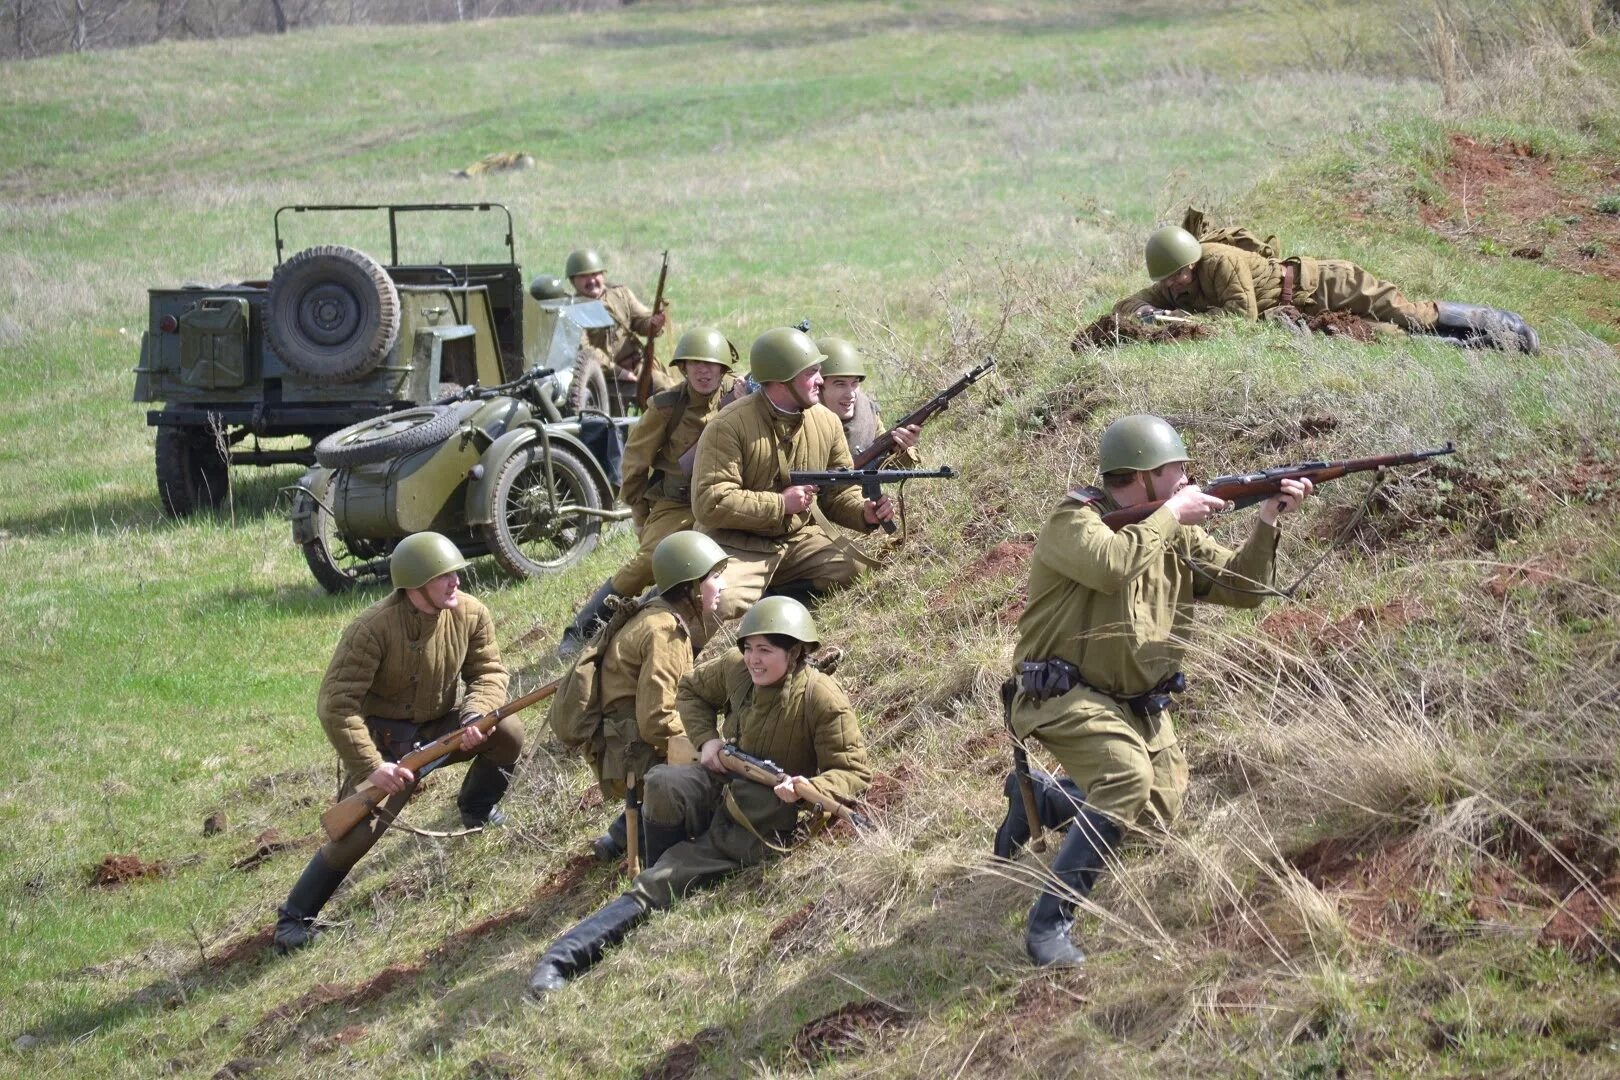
(1076, 866)
(657, 839)
(595, 611)
(1480, 325)
(801, 589)
(483, 787)
(609, 847)
(1057, 800)
(295, 919)
(576, 951)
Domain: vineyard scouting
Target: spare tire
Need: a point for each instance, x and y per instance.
(332, 313)
(384, 437)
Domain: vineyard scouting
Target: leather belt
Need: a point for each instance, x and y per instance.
(1046, 679)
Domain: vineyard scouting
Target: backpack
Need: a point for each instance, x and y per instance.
(576, 708)
(1193, 221)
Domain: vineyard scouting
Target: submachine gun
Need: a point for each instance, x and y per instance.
(872, 480)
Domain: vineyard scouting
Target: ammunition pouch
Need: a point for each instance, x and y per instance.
(393, 738)
(1043, 680)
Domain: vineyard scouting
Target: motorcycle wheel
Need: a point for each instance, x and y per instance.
(525, 537)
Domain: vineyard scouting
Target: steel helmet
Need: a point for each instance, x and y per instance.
(842, 358)
(548, 287)
(583, 261)
(685, 556)
(780, 355)
(421, 557)
(779, 615)
(707, 344)
(1171, 250)
(1139, 443)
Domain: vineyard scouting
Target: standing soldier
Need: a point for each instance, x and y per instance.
(615, 348)
(1100, 642)
(1191, 276)
(842, 374)
(643, 663)
(412, 667)
(657, 466)
(703, 824)
(740, 490)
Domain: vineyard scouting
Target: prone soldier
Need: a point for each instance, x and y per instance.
(615, 348)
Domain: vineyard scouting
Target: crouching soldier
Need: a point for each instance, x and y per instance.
(842, 375)
(1098, 650)
(703, 823)
(412, 667)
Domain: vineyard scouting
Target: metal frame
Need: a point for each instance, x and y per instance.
(394, 210)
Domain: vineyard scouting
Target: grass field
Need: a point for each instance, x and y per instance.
(1400, 850)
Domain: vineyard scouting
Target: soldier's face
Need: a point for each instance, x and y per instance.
(709, 590)
(703, 376)
(838, 394)
(590, 286)
(443, 592)
(807, 384)
(1179, 281)
(767, 665)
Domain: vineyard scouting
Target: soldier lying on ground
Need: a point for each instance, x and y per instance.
(842, 374)
(1099, 645)
(658, 461)
(1190, 276)
(615, 347)
(409, 669)
(703, 824)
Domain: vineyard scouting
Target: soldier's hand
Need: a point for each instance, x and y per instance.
(471, 737)
(1192, 507)
(655, 323)
(797, 499)
(880, 511)
(709, 756)
(1294, 492)
(905, 438)
(788, 790)
(391, 778)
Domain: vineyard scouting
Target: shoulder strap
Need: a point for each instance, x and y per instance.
(1087, 496)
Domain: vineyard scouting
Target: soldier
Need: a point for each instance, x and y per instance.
(842, 374)
(643, 663)
(548, 287)
(703, 824)
(410, 668)
(1191, 276)
(740, 490)
(1098, 648)
(657, 466)
(615, 347)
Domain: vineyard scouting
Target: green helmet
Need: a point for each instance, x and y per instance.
(583, 261)
(685, 556)
(707, 344)
(779, 355)
(779, 615)
(842, 358)
(1171, 250)
(1139, 443)
(548, 287)
(421, 557)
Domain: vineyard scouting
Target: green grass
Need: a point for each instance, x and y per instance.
(937, 181)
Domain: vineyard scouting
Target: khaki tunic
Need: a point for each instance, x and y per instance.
(616, 347)
(1119, 607)
(1249, 284)
(640, 670)
(863, 429)
(396, 663)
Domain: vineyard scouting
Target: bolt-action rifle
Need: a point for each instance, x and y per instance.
(1256, 487)
(644, 377)
(871, 480)
(339, 819)
(767, 772)
(883, 445)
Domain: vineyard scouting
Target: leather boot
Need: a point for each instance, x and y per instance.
(609, 847)
(295, 919)
(483, 787)
(800, 589)
(1078, 861)
(1057, 800)
(657, 839)
(576, 951)
(584, 625)
(1480, 325)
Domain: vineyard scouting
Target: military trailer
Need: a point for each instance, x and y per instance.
(332, 338)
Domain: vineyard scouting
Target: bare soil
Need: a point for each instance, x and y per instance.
(681, 1061)
(1111, 330)
(116, 870)
(847, 1029)
(1298, 624)
(269, 843)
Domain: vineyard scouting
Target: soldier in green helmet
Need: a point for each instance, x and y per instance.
(641, 665)
(548, 287)
(1192, 276)
(412, 667)
(843, 374)
(657, 465)
(1099, 647)
(740, 493)
(702, 823)
(616, 348)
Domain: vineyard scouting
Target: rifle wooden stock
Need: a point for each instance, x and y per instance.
(883, 445)
(769, 773)
(1256, 487)
(648, 359)
(345, 815)
(1026, 792)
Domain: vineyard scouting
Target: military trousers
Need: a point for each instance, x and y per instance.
(666, 517)
(498, 752)
(1130, 768)
(1344, 286)
(808, 555)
